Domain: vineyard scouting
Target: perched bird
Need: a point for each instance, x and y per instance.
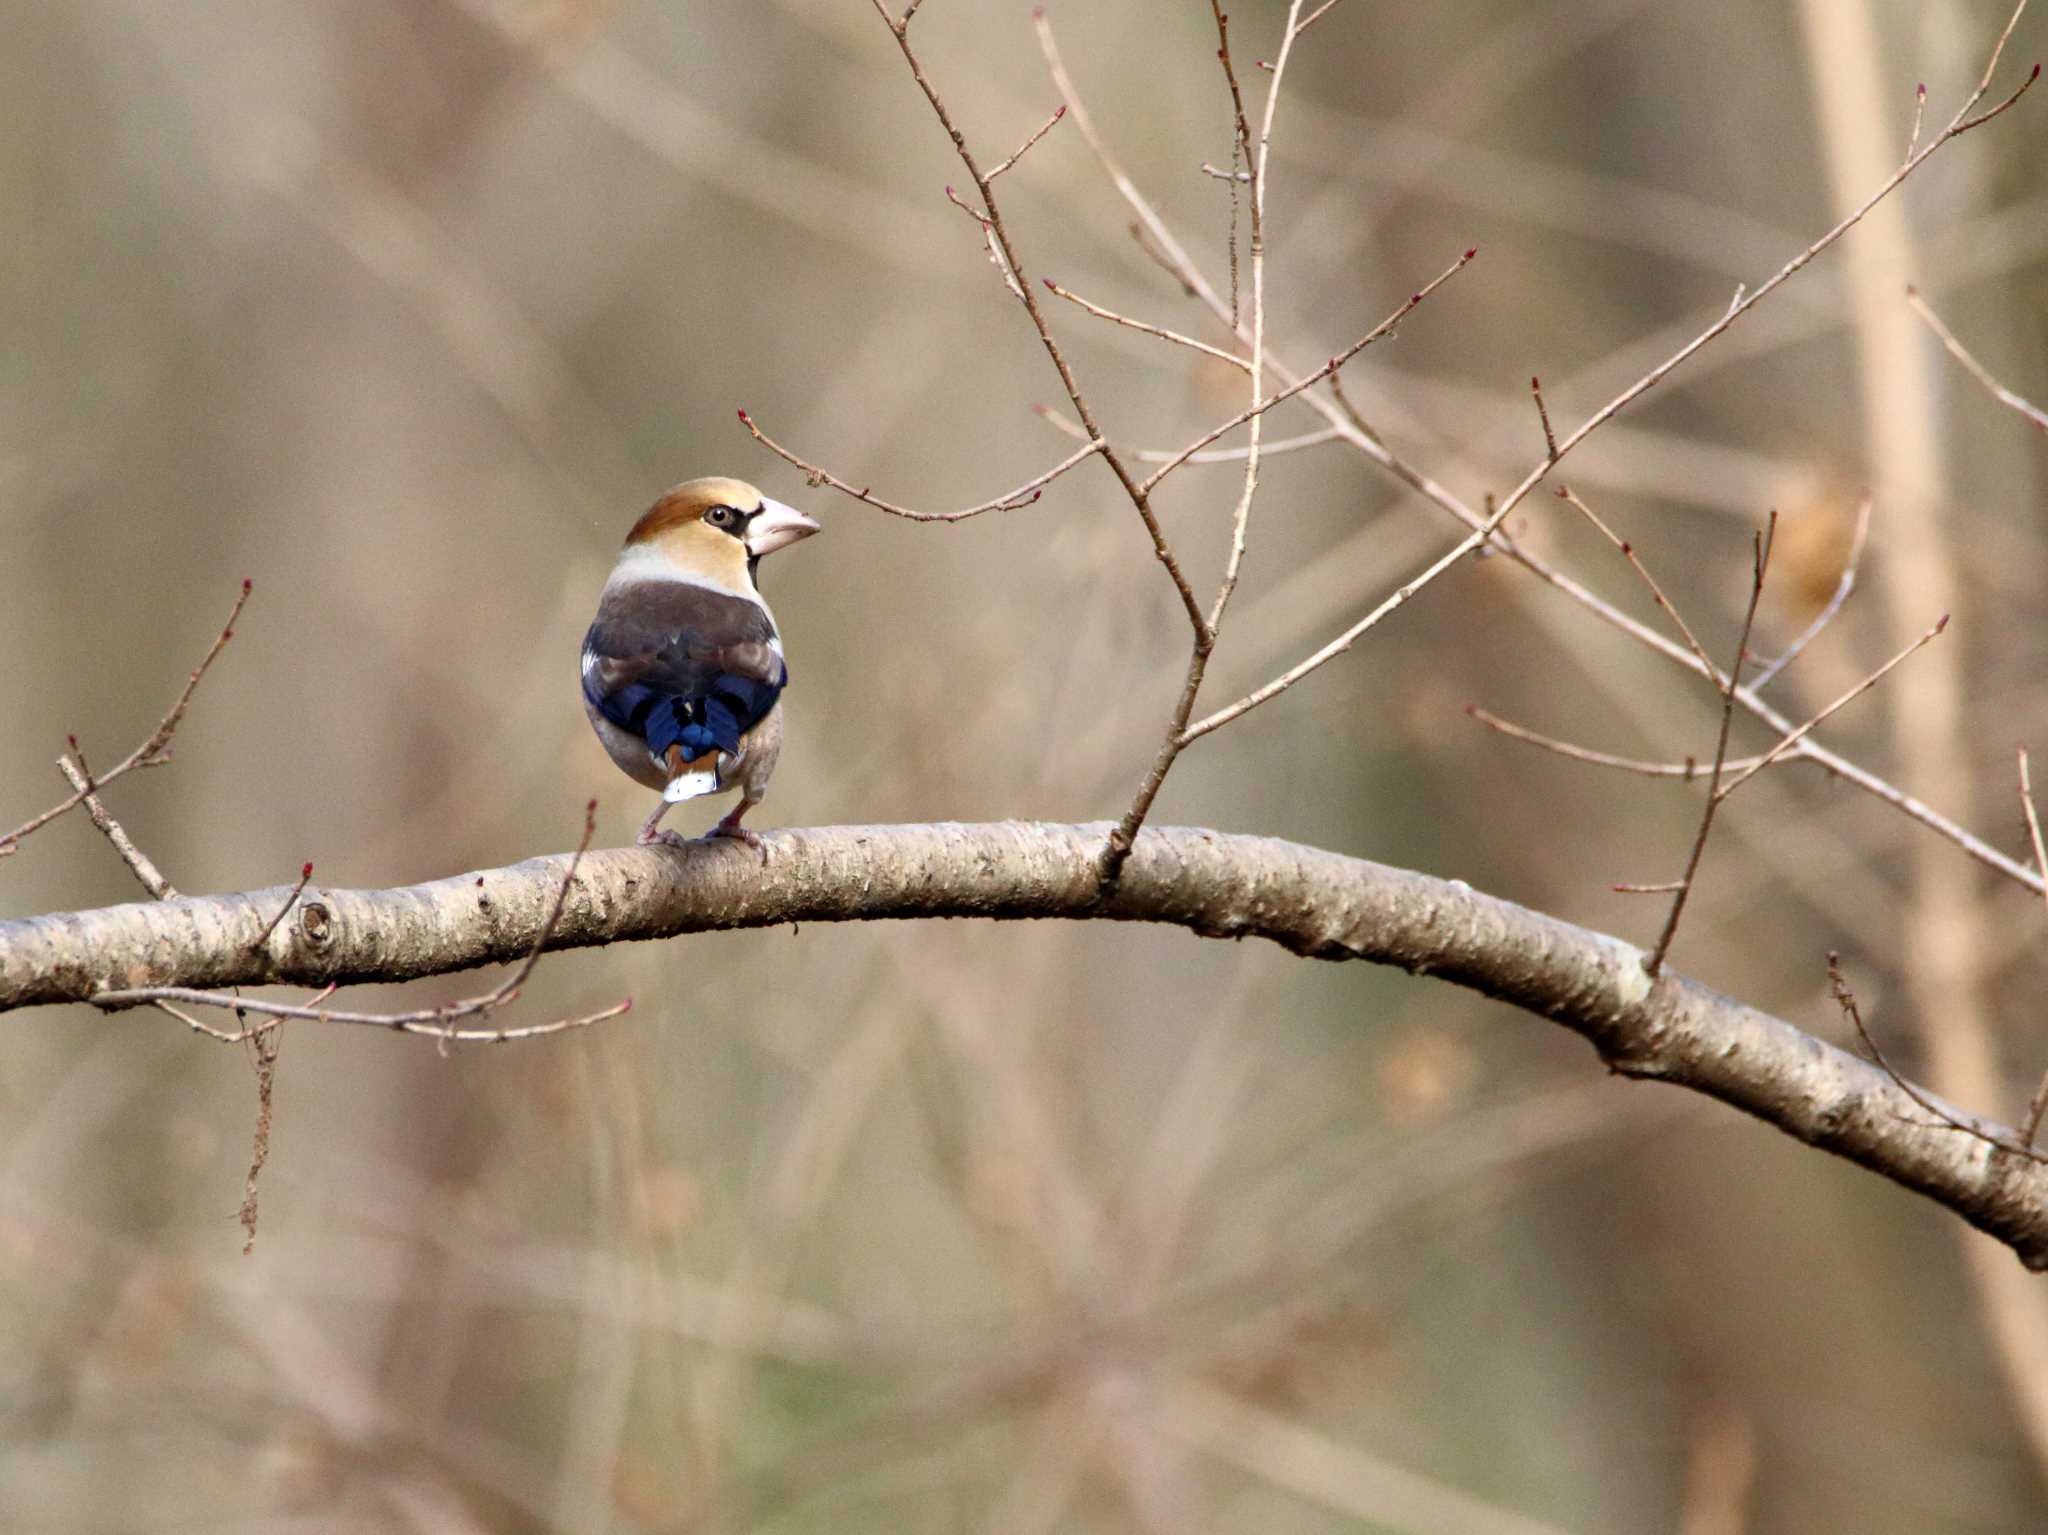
(683, 671)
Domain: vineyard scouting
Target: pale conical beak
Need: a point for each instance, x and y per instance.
(775, 525)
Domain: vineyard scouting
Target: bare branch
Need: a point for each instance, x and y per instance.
(1309, 901)
(1161, 243)
(1687, 770)
(1799, 734)
(1759, 566)
(1843, 588)
(111, 829)
(1161, 332)
(435, 1022)
(1543, 415)
(305, 874)
(1046, 127)
(1253, 412)
(150, 752)
(1004, 250)
(1013, 500)
(1275, 446)
(1976, 369)
(1947, 1117)
(1566, 495)
(2037, 1106)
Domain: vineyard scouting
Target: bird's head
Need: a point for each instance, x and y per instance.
(716, 529)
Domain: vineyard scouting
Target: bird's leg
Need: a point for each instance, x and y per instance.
(650, 837)
(730, 827)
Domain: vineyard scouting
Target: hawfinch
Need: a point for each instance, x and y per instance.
(683, 671)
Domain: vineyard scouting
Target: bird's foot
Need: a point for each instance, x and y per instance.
(730, 827)
(649, 837)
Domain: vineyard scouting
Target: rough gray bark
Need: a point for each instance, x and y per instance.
(1315, 903)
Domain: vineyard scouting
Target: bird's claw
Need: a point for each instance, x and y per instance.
(738, 833)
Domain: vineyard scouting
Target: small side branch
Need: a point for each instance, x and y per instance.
(137, 860)
(1976, 369)
(1688, 770)
(1843, 589)
(1760, 563)
(1217, 352)
(151, 752)
(1024, 148)
(1543, 415)
(1791, 740)
(2037, 1106)
(262, 938)
(1838, 986)
(1011, 501)
(1327, 370)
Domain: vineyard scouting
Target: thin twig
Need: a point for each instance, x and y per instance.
(1120, 841)
(1022, 496)
(263, 1047)
(1253, 412)
(1317, 15)
(305, 874)
(2037, 1106)
(1351, 414)
(1243, 170)
(1628, 552)
(1759, 565)
(1666, 887)
(1843, 588)
(1005, 249)
(1543, 415)
(137, 860)
(432, 1022)
(1919, 113)
(1274, 446)
(1044, 128)
(1799, 734)
(1846, 999)
(150, 752)
(1161, 332)
(1976, 369)
(1688, 770)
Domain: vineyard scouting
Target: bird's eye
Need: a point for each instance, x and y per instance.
(720, 516)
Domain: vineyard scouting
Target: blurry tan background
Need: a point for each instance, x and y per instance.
(406, 316)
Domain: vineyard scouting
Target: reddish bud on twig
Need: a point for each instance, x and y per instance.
(1469, 254)
(743, 413)
(1920, 90)
(1941, 624)
(1050, 284)
(1059, 111)
(307, 872)
(74, 742)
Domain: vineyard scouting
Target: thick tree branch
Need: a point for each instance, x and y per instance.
(1315, 903)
